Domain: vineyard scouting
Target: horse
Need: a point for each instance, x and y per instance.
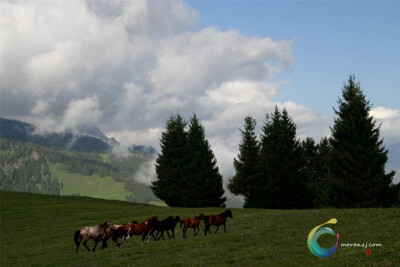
(142, 229)
(167, 224)
(216, 220)
(113, 233)
(95, 233)
(192, 223)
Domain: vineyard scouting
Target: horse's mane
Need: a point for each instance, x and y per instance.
(105, 224)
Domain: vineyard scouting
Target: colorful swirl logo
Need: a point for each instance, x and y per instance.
(313, 236)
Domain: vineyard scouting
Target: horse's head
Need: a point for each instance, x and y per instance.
(109, 224)
(229, 213)
(152, 222)
(177, 219)
(201, 217)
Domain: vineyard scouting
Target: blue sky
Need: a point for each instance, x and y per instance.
(331, 39)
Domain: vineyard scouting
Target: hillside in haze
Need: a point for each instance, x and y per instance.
(70, 164)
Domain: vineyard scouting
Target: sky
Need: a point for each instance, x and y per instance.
(126, 66)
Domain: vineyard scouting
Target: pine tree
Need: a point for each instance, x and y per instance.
(171, 162)
(358, 154)
(202, 178)
(323, 182)
(284, 183)
(247, 176)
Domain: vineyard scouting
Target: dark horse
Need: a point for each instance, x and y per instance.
(95, 233)
(192, 223)
(167, 224)
(143, 229)
(216, 220)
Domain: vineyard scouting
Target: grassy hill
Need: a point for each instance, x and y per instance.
(29, 167)
(37, 230)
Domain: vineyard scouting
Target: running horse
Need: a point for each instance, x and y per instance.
(216, 220)
(95, 233)
(142, 229)
(113, 233)
(192, 223)
(167, 224)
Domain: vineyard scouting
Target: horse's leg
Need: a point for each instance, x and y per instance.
(194, 230)
(184, 231)
(95, 245)
(162, 234)
(224, 227)
(207, 229)
(145, 238)
(216, 229)
(122, 241)
(77, 245)
(152, 234)
(84, 243)
(104, 245)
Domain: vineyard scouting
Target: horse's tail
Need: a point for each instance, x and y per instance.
(181, 221)
(77, 239)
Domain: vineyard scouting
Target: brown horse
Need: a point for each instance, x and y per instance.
(167, 224)
(192, 223)
(95, 233)
(142, 229)
(113, 233)
(216, 220)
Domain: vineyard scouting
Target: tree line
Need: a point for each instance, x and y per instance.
(277, 170)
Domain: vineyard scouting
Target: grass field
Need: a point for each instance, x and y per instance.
(92, 186)
(37, 230)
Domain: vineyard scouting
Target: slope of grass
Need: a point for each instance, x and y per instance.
(37, 230)
(91, 186)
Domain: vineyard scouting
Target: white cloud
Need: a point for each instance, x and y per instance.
(81, 112)
(384, 113)
(128, 65)
(390, 123)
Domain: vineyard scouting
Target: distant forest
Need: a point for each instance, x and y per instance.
(24, 166)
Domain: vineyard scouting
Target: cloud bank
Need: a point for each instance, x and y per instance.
(126, 66)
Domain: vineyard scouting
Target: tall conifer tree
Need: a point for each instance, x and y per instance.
(171, 162)
(282, 162)
(247, 178)
(358, 154)
(202, 177)
(187, 175)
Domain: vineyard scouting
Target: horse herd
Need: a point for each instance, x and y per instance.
(150, 227)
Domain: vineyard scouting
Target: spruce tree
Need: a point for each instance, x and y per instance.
(323, 181)
(202, 178)
(282, 162)
(170, 162)
(247, 176)
(358, 154)
(310, 168)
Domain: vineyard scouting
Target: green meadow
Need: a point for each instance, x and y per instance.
(92, 186)
(37, 230)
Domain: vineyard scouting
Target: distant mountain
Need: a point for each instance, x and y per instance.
(88, 139)
(147, 150)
